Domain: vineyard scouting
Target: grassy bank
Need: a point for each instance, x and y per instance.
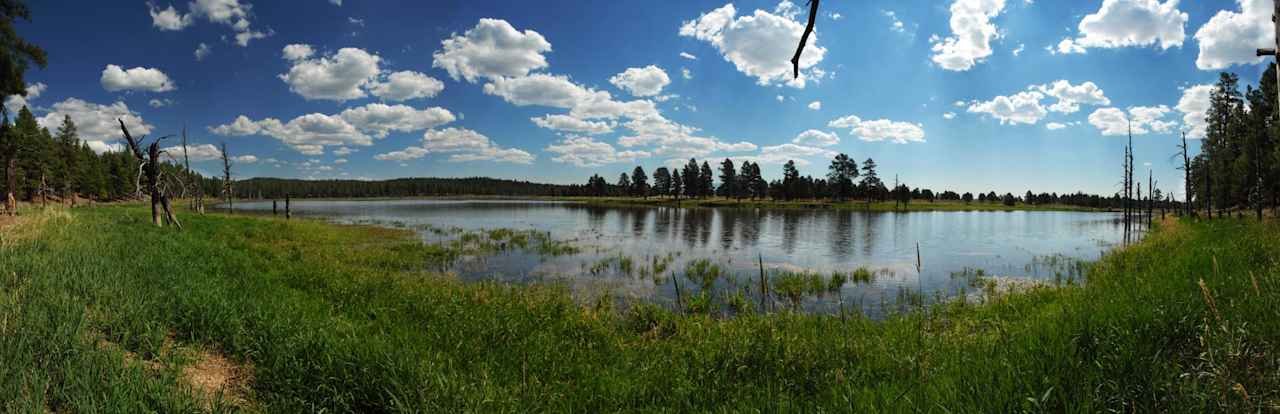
(99, 311)
(915, 205)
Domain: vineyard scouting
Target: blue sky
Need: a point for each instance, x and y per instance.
(970, 95)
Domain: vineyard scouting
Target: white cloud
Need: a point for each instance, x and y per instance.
(816, 138)
(686, 55)
(780, 98)
(203, 51)
(587, 152)
(759, 45)
(1110, 121)
(342, 151)
(297, 51)
(646, 81)
(14, 103)
(777, 154)
(160, 103)
(815, 105)
(669, 138)
(1194, 106)
(881, 129)
(242, 126)
(339, 77)
(197, 153)
(228, 12)
(949, 115)
(1231, 37)
(102, 147)
(685, 73)
(410, 153)
(1071, 97)
(1021, 108)
(491, 49)
(380, 119)
(1143, 119)
(1126, 23)
(1018, 50)
(308, 134)
(467, 145)
(115, 78)
(566, 123)
(1054, 126)
(894, 24)
(245, 159)
(972, 33)
(168, 19)
(406, 85)
(538, 89)
(96, 122)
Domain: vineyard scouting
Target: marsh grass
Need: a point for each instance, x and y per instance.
(345, 318)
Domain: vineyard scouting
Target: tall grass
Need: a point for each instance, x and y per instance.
(339, 318)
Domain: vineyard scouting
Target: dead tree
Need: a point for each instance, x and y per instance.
(226, 178)
(161, 211)
(1186, 177)
(804, 38)
(197, 202)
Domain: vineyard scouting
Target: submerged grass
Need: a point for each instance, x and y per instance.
(342, 318)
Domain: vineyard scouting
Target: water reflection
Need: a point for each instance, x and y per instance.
(818, 240)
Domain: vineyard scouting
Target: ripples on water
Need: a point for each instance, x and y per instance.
(642, 253)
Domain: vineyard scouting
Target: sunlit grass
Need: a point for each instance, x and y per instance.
(349, 318)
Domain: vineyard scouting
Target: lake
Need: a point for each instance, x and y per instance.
(643, 253)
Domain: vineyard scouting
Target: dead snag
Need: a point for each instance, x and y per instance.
(160, 209)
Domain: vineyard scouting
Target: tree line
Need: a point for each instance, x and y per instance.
(845, 181)
(1238, 167)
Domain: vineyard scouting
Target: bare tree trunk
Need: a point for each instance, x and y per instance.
(226, 178)
(160, 209)
(1186, 171)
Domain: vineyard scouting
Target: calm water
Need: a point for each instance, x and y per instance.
(1007, 245)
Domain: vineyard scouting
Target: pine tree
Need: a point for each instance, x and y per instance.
(706, 184)
(662, 181)
(871, 184)
(840, 176)
(677, 185)
(790, 180)
(691, 179)
(639, 183)
(728, 180)
(624, 184)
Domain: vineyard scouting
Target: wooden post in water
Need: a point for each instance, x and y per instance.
(274, 211)
(679, 301)
(918, 257)
(764, 286)
(287, 213)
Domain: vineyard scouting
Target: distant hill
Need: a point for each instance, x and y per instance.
(400, 187)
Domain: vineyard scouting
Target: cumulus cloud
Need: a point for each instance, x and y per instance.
(14, 103)
(971, 34)
(880, 130)
(232, 13)
(1194, 106)
(587, 152)
(168, 19)
(115, 78)
(538, 89)
(1142, 119)
(308, 134)
(1231, 37)
(410, 153)
(777, 154)
(1021, 108)
(340, 77)
(491, 49)
(686, 55)
(466, 145)
(949, 115)
(761, 44)
(380, 119)
(1126, 23)
(160, 103)
(816, 138)
(1070, 97)
(1054, 126)
(406, 85)
(646, 81)
(96, 122)
(815, 105)
(566, 123)
(296, 52)
(203, 152)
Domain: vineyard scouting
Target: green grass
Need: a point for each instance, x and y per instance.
(915, 205)
(344, 318)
